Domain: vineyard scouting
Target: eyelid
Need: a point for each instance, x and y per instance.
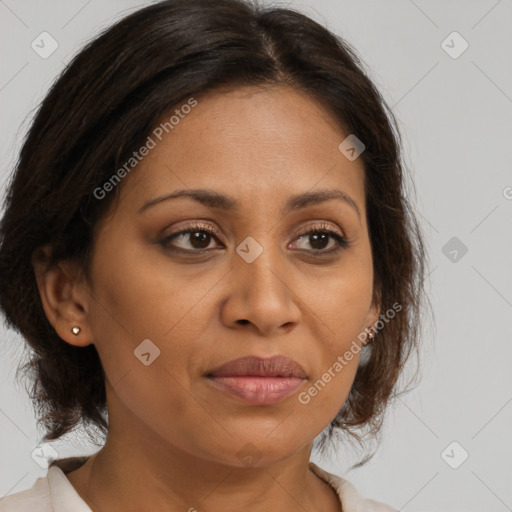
(320, 225)
(342, 241)
(197, 226)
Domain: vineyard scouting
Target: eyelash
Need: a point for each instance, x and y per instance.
(343, 243)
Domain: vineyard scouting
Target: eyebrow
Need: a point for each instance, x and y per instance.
(213, 199)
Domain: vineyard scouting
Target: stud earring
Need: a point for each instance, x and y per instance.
(75, 330)
(370, 337)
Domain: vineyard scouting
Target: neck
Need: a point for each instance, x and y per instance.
(128, 476)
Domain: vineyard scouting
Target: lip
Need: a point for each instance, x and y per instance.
(259, 381)
(252, 366)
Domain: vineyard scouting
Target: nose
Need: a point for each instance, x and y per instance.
(262, 295)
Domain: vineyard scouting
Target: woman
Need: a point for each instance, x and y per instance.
(207, 245)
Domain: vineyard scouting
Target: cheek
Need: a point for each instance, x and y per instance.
(343, 296)
(135, 303)
(142, 293)
(340, 306)
(140, 296)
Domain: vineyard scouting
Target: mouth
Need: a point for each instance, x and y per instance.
(258, 381)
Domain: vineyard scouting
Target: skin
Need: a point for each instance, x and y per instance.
(173, 438)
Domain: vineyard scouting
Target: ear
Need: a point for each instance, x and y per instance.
(373, 316)
(64, 297)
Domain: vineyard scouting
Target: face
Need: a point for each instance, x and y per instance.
(181, 286)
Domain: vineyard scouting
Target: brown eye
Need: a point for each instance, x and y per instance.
(198, 237)
(319, 238)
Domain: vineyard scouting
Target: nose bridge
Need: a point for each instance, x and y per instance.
(261, 293)
(259, 264)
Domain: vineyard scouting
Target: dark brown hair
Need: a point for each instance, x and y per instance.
(102, 108)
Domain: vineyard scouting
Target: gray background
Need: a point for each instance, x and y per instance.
(455, 115)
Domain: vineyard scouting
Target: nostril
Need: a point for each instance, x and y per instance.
(243, 321)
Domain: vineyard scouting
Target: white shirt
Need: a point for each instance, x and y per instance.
(54, 492)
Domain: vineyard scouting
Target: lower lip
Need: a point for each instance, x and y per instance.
(259, 390)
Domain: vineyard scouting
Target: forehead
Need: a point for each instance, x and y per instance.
(256, 144)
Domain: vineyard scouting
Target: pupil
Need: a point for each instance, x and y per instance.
(323, 237)
(200, 237)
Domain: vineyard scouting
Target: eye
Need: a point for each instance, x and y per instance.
(199, 237)
(319, 236)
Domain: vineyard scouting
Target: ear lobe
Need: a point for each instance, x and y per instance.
(372, 318)
(63, 298)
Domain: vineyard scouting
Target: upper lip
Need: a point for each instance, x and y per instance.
(276, 366)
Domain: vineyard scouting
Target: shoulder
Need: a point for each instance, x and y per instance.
(35, 499)
(51, 493)
(350, 499)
